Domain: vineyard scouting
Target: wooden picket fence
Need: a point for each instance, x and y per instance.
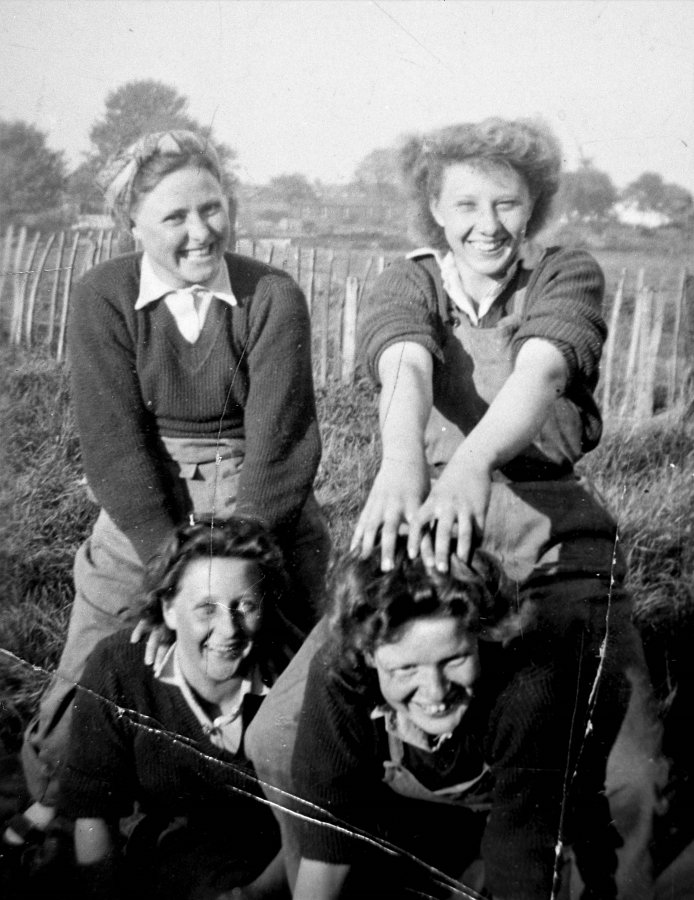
(647, 364)
(648, 361)
(38, 272)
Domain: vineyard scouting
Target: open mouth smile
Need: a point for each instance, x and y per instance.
(488, 247)
(199, 252)
(228, 651)
(441, 710)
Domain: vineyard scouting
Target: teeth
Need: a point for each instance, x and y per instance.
(198, 253)
(433, 708)
(487, 247)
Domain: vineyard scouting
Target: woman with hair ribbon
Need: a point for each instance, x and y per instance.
(193, 394)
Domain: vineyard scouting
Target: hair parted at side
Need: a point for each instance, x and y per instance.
(135, 171)
(235, 538)
(368, 607)
(527, 145)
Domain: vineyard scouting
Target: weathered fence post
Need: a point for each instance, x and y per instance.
(35, 289)
(610, 345)
(652, 346)
(66, 297)
(88, 258)
(673, 380)
(640, 300)
(54, 290)
(325, 325)
(6, 254)
(643, 394)
(16, 287)
(348, 341)
(96, 257)
(311, 280)
(22, 277)
(366, 278)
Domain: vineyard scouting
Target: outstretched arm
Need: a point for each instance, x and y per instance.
(460, 497)
(405, 370)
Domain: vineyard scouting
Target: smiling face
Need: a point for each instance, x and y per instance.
(183, 224)
(428, 672)
(216, 614)
(483, 211)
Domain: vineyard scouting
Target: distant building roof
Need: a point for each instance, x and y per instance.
(630, 214)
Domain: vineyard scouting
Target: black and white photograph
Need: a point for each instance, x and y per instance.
(347, 450)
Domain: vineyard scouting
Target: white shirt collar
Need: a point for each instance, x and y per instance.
(404, 728)
(152, 287)
(224, 731)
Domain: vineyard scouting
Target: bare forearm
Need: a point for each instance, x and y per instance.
(320, 880)
(519, 410)
(406, 400)
(461, 495)
(402, 481)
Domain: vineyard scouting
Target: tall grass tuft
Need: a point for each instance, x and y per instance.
(46, 515)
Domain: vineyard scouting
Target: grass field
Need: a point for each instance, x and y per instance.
(646, 475)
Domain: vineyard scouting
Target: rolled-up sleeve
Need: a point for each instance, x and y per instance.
(401, 306)
(564, 306)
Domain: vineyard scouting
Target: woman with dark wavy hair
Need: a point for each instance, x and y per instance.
(410, 727)
(169, 741)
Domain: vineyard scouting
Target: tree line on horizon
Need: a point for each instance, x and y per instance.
(38, 189)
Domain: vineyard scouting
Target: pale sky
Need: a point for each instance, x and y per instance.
(314, 86)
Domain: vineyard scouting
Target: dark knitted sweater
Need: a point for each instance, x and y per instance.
(563, 305)
(517, 722)
(563, 301)
(135, 379)
(134, 738)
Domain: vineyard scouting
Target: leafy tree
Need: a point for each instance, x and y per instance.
(587, 194)
(32, 176)
(132, 110)
(291, 188)
(650, 192)
(378, 173)
(137, 108)
(82, 187)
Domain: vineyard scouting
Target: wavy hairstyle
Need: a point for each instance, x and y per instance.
(368, 607)
(527, 146)
(137, 170)
(233, 538)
